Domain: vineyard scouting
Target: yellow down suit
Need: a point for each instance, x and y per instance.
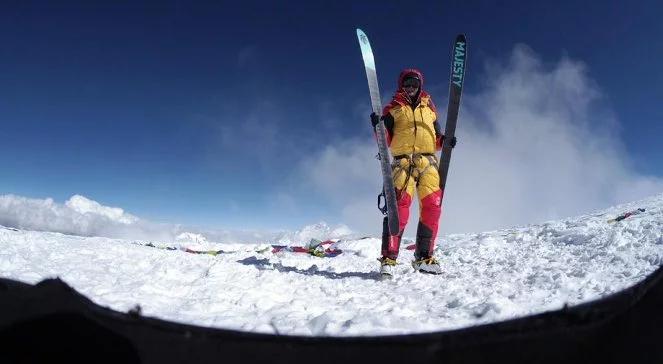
(413, 135)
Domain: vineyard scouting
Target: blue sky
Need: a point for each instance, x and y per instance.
(250, 115)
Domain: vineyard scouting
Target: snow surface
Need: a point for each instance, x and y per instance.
(487, 277)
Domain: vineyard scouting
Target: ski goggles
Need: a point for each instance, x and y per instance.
(411, 82)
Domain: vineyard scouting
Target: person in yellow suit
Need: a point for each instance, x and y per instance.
(413, 136)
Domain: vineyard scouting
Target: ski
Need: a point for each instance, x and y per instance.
(458, 63)
(390, 208)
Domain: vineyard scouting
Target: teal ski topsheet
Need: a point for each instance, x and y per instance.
(458, 63)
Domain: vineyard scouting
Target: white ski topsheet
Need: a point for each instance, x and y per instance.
(389, 192)
(371, 73)
(487, 277)
(366, 51)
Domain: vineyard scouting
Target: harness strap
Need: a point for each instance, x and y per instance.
(432, 162)
(396, 167)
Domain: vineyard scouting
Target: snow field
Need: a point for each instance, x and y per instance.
(487, 277)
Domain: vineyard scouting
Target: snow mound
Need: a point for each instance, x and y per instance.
(319, 231)
(367, 248)
(193, 241)
(191, 238)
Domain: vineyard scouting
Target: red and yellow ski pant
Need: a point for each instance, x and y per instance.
(418, 171)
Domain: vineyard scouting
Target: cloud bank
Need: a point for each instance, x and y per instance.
(84, 217)
(79, 216)
(536, 142)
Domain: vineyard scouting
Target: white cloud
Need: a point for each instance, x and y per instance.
(88, 207)
(535, 143)
(347, 175)
(250, 140)
(78, 216)
(84, 217)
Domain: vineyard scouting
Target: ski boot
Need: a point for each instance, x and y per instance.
(427, 265)
(387, 267)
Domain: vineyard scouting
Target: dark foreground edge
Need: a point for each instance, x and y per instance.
(51, 322)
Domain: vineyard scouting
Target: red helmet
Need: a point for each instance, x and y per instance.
(410, 73)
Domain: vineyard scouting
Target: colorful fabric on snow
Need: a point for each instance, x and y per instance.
(315, 247)
(627, 215)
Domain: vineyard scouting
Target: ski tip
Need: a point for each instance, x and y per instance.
(363, 39)
(461, 38)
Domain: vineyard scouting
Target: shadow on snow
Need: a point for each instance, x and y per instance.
(265, 264)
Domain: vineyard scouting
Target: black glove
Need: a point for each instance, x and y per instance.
(375, 119)
(452, 141)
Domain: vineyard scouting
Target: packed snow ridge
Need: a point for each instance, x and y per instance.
(490, 276)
